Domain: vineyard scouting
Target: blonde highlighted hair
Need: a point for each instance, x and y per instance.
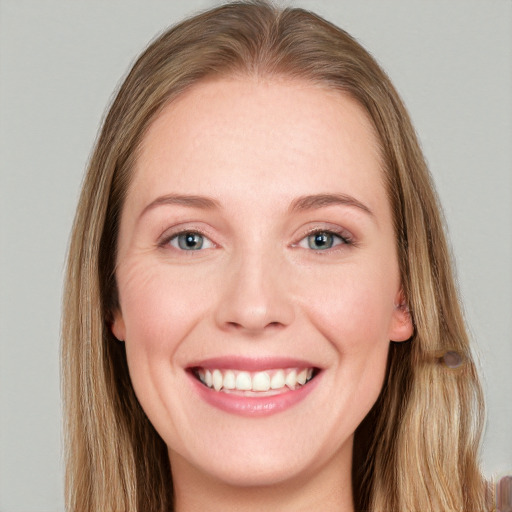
(417, 450)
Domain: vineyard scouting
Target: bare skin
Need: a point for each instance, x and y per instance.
(258, 228)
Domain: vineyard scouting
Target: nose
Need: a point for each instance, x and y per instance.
(255, 295)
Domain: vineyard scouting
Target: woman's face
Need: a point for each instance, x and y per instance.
(258, 279)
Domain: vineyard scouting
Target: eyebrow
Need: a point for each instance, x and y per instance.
(190, 201)
(316, 201)
(304, 203)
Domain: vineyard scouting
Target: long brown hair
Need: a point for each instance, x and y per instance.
(417, 449)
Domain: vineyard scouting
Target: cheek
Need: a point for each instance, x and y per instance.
(158, 300)
(353, 312)
(159, 307)
(352, 307)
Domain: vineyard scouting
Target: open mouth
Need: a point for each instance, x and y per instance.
(267, 382)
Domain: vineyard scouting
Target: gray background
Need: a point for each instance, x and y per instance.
(60, 61)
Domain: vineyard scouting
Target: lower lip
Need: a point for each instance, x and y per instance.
(253, 405)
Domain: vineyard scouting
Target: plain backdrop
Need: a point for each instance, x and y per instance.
(60, 62)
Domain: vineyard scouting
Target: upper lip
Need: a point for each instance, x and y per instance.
(251, 364)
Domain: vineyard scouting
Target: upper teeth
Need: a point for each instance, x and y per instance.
(254, 381)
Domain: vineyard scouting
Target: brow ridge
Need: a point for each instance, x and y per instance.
(190, 201)
(303, 203)
(316, 201)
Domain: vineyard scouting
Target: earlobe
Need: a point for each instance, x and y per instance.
(401, 323)
(117, 326)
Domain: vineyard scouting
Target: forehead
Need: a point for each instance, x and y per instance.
(248, 136)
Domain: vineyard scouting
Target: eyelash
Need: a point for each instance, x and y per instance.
(166, 240)
(342, 235)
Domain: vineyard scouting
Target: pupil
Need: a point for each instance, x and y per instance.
(321, 239)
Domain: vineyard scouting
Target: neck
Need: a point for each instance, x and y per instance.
(328, 488)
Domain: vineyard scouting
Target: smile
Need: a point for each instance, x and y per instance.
(253, 387)
(246, 383)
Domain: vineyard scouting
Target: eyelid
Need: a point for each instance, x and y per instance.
(327, 228)
(206, 243)
(171, 233)
(338, 231)
(346, 236)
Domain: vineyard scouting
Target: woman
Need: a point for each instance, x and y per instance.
(260, 311)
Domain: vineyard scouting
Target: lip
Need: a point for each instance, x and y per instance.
(252, 406)
(251, 364)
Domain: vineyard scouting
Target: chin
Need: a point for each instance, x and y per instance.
(265, 460)
(253, 471)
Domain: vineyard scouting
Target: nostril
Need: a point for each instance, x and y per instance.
(270, 325)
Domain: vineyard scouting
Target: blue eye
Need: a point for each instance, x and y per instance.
(190, 241)
(322, 240)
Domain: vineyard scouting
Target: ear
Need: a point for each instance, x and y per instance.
(401, 327)
(117, 326)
